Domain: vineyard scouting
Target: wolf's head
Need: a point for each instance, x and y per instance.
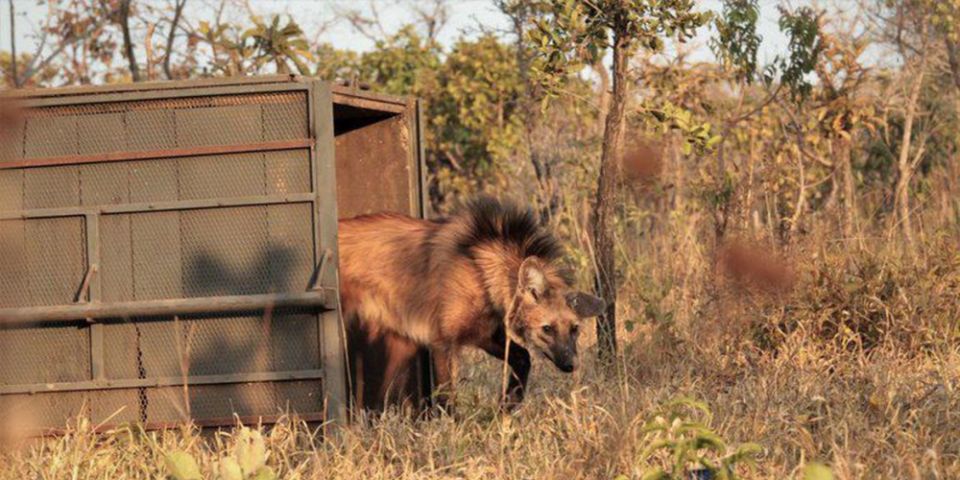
(547, 312)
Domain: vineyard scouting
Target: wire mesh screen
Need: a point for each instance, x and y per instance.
(123, 203)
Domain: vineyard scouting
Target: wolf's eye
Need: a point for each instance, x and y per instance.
(575, 329)
(549, 329)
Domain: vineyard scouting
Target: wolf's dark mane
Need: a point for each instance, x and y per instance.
(492, 220)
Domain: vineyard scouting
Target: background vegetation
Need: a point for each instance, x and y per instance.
(781, 238)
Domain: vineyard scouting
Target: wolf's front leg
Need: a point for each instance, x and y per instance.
(518, 358)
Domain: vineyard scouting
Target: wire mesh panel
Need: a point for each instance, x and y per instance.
(162, 255)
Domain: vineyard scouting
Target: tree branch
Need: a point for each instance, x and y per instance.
(13, 47)
(124, 20)
(177, 13)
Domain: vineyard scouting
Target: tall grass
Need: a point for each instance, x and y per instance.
(856, 368)
(852, 362)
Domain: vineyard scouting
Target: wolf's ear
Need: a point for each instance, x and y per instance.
(585, 305)
(532, 278)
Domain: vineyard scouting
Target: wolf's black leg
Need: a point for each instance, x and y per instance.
(519, 361)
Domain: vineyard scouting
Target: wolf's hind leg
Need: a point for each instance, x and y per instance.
(445, 377)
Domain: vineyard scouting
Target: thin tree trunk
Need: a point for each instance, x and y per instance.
(128, 40)
(904, 167)
(551, 201)
(843, 153)
(801, 204)
(177, 13)
(604, 209)
(13, 47)
(604, 104)
(953, 58)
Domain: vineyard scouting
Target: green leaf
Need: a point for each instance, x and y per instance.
(817, 471)
(265, 473)
(251, 451)
(229, 469)
(182, 466)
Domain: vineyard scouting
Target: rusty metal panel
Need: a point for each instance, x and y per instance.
(169, 405)
(222, 176)
(101, 133)
(206, 346)
(284, 121)
(116, 264)
(287, 171)
(155, 242)
(151, 130)
(154, 181)
(50, 136)
(42, 411)
(374, 158)
(11, 190)
(293, 338)
(219, 125)
(11, 141)
(51, 187)
(56, 256)
(45, 355)
(14, 269)
(225, 252)
(153, 196)
(104, 184)
(289, 248)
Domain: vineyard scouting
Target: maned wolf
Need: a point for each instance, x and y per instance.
(454, 282)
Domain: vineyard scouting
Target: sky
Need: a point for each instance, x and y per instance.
(466, 17)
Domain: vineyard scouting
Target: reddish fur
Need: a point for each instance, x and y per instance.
(445, 285)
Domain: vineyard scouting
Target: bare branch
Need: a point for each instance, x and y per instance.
(177, 13)
(433, 18)
(124, 21)
(370, 26)
(13, 46)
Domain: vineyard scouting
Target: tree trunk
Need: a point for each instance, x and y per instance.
(548, 190)
(604, 210)
(904, 166)
(128, 40)
(953, 58)
(13, 47)
(843, 153)
(177, 13)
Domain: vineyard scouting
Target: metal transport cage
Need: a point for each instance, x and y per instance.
(168, 251)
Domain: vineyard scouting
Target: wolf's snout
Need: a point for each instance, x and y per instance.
(565, 361)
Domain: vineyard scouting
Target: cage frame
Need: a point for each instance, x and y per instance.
(321, 297)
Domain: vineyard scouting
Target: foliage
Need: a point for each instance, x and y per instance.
(403, 64)
(248, 50)
(804, 46)
(278, 44)
(687, 442)
(575, 34)
(696, 136)
(817, 471)
(737, 41)
(246, 460)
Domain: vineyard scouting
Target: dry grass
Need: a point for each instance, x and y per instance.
(857, 367)
(882, 413)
